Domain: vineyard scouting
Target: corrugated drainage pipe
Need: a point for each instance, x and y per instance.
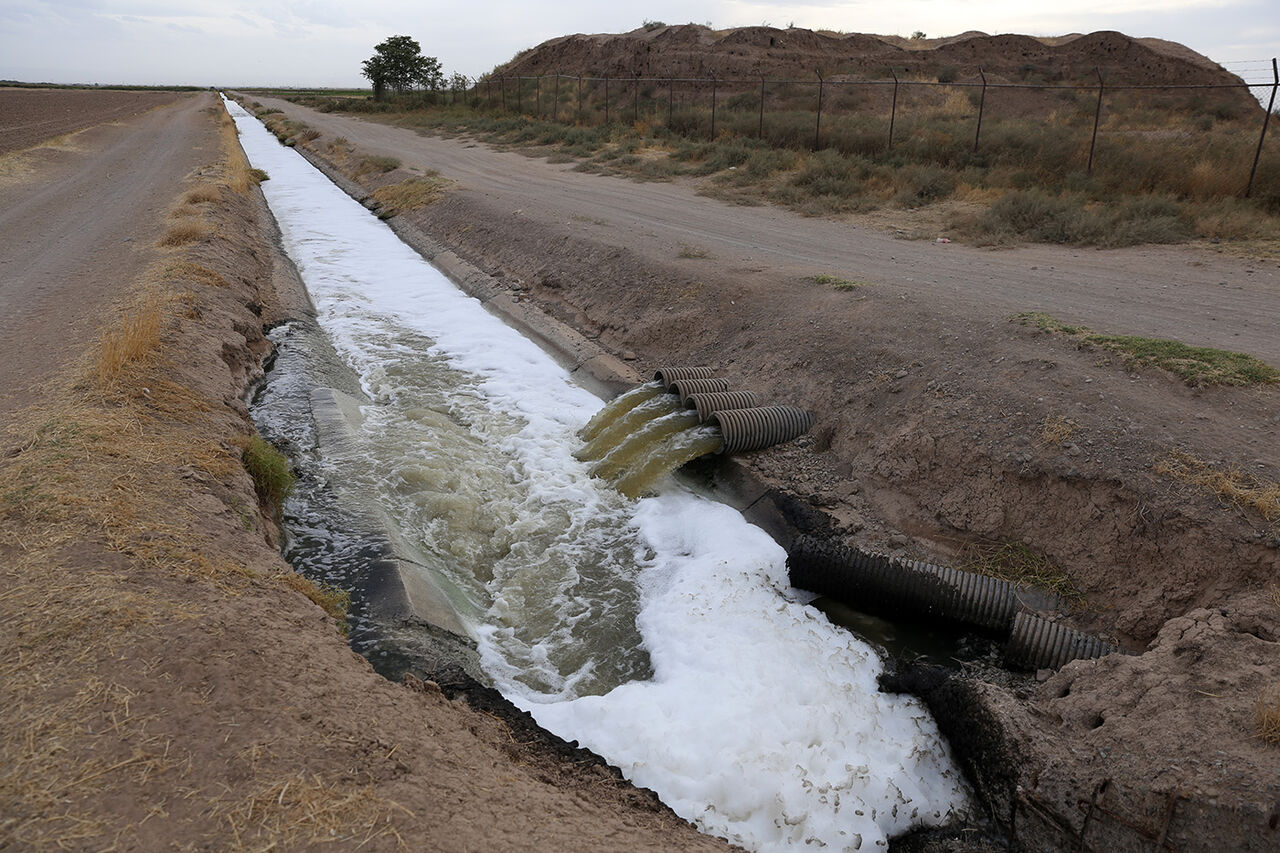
(876, 583)
(1037, 643)
(718, 401)
(667, 375)
(760, 426)
(682, 388)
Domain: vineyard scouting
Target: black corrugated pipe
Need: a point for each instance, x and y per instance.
(760, 426)
(682, 388)
(875, 583)
(717, 401)
(667, 375)
(1037, 643)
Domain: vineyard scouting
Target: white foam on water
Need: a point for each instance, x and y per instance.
(761, 722)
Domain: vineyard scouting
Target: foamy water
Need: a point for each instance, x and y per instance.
(660, 633)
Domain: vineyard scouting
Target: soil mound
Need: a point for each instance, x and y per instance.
(692, 50)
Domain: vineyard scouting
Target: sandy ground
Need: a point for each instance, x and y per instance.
(164, 683)
(932, 412)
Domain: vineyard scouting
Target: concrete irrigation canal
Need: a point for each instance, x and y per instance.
(620, 607)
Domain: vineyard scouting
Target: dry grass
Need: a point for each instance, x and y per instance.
(133, 340)
(235, 163)
(203, 194)
(184, 234)
(331, 599)
(1230, 486)
(1016, 563)
(1266, 714)
(297, 811)
(1057, 429)
(411, 194)
(189, 271)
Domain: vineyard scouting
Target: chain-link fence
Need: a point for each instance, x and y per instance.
(951, 121)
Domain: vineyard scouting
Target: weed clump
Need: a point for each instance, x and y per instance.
(269, 469)
(378, 164)
(410, 194)
(837, 283)
(133, 340)
(184, 234)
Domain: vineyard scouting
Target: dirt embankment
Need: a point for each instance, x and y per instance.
(942, 425)
(747, 53)
(165, 682)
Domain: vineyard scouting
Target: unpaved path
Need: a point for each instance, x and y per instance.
(1191, 294)
(78, 222)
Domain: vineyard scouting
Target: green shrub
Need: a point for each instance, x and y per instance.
(269, 469)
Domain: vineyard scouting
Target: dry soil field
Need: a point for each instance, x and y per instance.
(35, 115)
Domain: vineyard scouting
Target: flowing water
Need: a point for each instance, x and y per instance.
(619, 406)
(659, 632)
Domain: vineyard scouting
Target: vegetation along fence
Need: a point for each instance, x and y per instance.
(876, 116)
(1085, 135)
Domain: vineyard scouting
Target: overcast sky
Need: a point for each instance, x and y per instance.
(322, 42)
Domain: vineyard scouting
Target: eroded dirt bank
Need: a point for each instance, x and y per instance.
(934, 433)
(165, 682)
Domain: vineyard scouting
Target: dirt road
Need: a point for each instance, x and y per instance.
(1191, 294)
(76, 223)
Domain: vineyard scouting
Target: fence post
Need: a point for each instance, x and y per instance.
(488, 91)
(1097, 114)
(606, 100)
(503, 83)
(760, 132)
(713, 107)
(537, 97)
(1275, 76)
(635, 99)
(555, 101)
(893, 110)
(579, 99)
(671, 99)
(817, 128)
(519, 95)
(982, 103)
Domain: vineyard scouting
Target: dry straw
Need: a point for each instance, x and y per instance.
(1244, 490)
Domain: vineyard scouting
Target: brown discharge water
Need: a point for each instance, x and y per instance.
(613, 434)
(640, 443)
(618, 407)
(668, 456)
